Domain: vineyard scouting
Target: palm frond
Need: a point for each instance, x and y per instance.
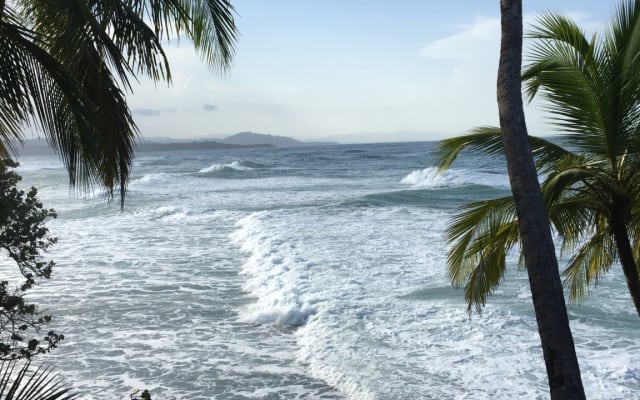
(210, 24)
(564, 68)
(563, 179)
(32, 80)
(485, 277)
(634, 232)
(68, 63)
(568, 40)
(624, 31)
(621, 66)
(488, 140)
(100, 150)
(593, 259)
(485, 139)
(213, 31)
(26, 383)
(480, 237)
(124, 38)
(475, 220)
(573, 219)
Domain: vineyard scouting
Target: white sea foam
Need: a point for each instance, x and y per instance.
(235, 165)
(152, 296)
(179, 214)
(154, 177)
(332, 345)
(429, 178)
(276, 274)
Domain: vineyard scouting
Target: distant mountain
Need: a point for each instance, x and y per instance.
(252, 138)
(39, 147)
(34, 147)
(194, 145)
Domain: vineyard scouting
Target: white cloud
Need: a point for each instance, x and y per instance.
(467, 44)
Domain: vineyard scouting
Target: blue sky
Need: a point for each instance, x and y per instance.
(401, 70)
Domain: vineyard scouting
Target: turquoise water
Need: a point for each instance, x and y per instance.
(300, 273)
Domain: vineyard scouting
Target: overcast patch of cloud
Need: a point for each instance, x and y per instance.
(209, 107)
(147, 112)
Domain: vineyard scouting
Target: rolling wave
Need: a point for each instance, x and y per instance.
(233, 166)
(430, 178)
(443, 198)
(275, 272)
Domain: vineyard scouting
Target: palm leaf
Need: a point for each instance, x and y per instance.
(622, 49)
(588, 264)
(488, 140)
(32, 80)
(480, 237)
(68, 63)
(572, 218)
(213, 30)
(29, 384)
(563, 68)
(484, 277)
(210, 24)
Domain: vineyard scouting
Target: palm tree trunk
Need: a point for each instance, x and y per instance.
(558, 348)
(621, 237)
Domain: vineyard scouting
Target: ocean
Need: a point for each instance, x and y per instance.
(300, 273)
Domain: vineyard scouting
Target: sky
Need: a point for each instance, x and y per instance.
(357, 70)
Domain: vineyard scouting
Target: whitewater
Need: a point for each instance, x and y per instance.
(300, 273)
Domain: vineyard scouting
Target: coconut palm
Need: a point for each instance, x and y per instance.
(563, 371)
(591, 176)
(68, 64)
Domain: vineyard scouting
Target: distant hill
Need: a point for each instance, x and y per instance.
(34, 147)
(245, 138)
(39, 147)
(195, 145)
(252, 138)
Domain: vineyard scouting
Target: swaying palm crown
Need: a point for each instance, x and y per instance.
(591, 183)
(67, 65)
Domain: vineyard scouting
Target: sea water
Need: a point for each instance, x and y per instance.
(300, 273)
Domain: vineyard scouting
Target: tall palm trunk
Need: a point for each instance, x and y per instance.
(623, 244)
(537, 245)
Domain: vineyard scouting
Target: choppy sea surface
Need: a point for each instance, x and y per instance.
(300, 273)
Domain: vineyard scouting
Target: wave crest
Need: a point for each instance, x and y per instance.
(276, 274)
(235, 165)
(430, 178)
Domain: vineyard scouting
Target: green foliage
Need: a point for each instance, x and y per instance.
(26, 383)
(24, 239)
(590, 182)
(67, 66)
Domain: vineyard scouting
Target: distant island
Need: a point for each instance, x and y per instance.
(194, 145)
(252, 139)
(34, 147)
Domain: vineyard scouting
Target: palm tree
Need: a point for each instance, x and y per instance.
(68, 64)
(591, 181)
(558, 348)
